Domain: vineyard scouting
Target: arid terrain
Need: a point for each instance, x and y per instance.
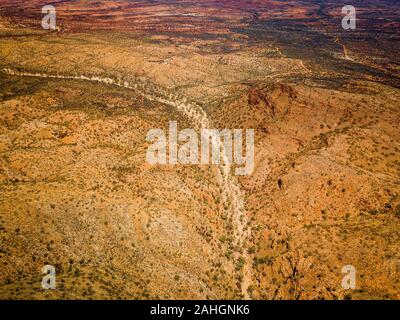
(77, 192)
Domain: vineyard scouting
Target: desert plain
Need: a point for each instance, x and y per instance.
(76, 191)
